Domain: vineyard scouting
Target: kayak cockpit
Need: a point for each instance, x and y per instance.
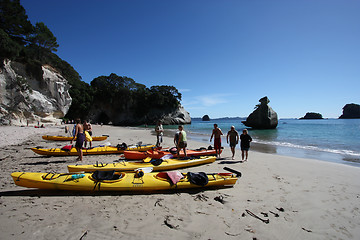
(107, 176)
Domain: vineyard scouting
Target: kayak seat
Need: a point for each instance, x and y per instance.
(122, 146)
(66, 148)
(201, 149)
(106, 175)
(156, 162)
(225, 174)
(198, 178)
(163, 175)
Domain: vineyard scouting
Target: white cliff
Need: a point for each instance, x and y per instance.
(25, 99)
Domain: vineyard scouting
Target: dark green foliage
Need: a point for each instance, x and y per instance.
(34, 46)
(20, 40)
(14, 21)
(42, 42)
(164, 96)
(82, 99)
(8, 48)
(42, 37)
(14, 28)
(124, 94)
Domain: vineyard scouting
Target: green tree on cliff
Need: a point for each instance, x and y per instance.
(14, 28)
(124, 94)
(14, 21)
(34, 46)
(42, 41)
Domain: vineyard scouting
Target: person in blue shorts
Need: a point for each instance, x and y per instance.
(80, 138)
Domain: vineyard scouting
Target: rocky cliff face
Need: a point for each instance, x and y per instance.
(178, 117)
(28, 99)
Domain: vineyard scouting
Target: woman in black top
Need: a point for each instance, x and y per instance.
(245, 144)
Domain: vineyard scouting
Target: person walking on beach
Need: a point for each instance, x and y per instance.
(216, 133)
(245, 144)
(182, 143)
(80, 138)
(159, 133)
(234, 139)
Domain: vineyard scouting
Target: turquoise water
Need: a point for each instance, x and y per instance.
(334, 140)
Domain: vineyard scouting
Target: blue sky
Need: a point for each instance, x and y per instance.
(223, 56)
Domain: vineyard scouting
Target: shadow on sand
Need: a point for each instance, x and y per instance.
(62, 193)
(229, 162)
(45, 163)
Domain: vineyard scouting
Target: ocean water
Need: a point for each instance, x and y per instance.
(334, 140)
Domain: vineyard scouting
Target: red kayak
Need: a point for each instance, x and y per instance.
(156, 154)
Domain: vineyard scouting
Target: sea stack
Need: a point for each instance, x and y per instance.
(206, 118)
(263, 117)
(351, 111)
(312, 115)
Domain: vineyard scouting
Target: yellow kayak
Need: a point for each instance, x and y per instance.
(156, 164)
(64, 138)
(90, 151)
(119, 181)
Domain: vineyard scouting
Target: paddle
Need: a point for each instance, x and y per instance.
(147, 160)
(238, 174)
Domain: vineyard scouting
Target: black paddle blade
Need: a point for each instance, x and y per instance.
(238, 174)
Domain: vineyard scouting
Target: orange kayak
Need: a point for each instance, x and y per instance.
(156, 154)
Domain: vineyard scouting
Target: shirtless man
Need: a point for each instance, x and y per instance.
(216, 133)
(80, 138)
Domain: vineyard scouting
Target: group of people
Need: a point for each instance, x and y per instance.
(82, 133)
(180, 140)
(232, 138)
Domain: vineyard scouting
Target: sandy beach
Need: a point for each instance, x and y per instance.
(302, 198)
